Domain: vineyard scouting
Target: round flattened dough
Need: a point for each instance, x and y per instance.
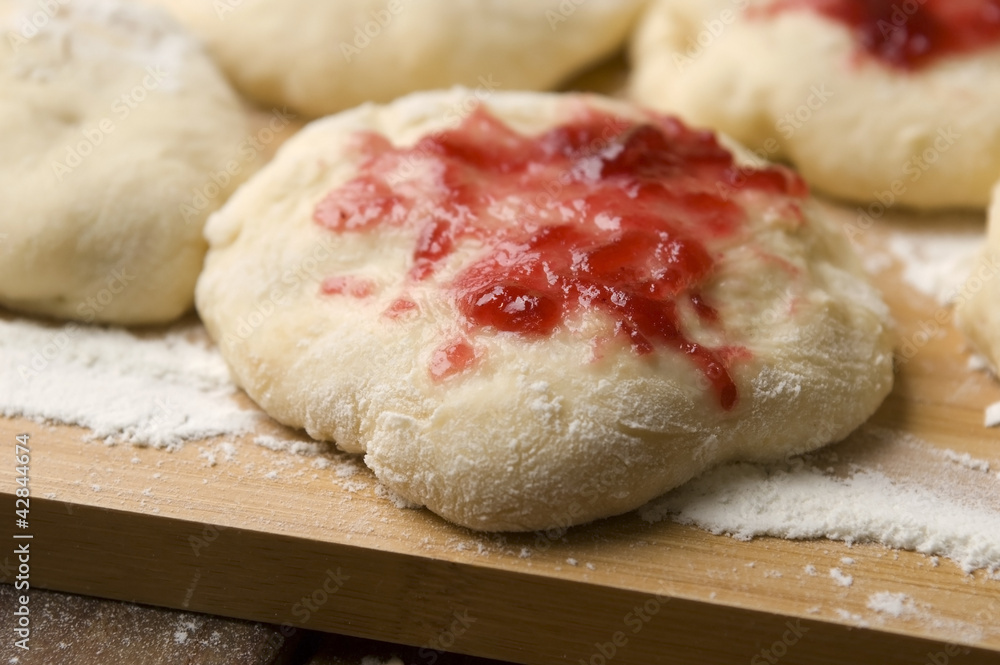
(978, 303)
(538, 434)
(316, 57)
(795, 85)
(115, 134)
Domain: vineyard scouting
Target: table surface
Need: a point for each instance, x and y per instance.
(83, 630)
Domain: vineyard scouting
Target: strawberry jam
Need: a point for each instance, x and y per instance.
(451, 359)
(909, 34)
(359, 288)
(601, 213)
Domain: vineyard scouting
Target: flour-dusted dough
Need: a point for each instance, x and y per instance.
(795, 85)
(978, 302)
(539, 433)
(116, 133)
(322, 57)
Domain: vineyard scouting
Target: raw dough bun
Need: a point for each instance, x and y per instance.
(317, 58)
(540, 433)
(115, 133)
(796, 86)
(978, 303)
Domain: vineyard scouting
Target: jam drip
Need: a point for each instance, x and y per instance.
(602, 214)
(909, 34)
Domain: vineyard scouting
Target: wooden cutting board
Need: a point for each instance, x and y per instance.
(311, 541)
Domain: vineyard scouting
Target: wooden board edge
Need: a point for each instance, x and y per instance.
(425, 602)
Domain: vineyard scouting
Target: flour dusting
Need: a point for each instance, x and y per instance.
(96, 31)
(158, 390)
(992, 418)
(937, 264)
(840, 577)
(805, 498)
(893, 604)
(293, 446)
(966, 460)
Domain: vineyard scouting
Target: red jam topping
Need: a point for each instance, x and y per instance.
(909, 34)
(349, 285)
(400, 307)
(451, 359)
(601, 213)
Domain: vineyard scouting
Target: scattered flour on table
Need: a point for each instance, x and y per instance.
(902, 606)
(853, 617)
(186, 626)
(978, 362)
(893, 604)
(156, 390)
(294, 446)
(346, 471)
(993, 415)
(384, 492)
(225, 449)
(966, 460)
(801, 500)
(840, 577)
(936, 264)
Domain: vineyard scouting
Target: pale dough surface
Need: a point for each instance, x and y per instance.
(112, 122)
(322, 57)
(978, 302)
(539, 434)
(796, 86)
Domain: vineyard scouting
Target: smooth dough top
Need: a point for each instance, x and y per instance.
(543, 431)
(115, 133)
(794, 84)
(322, 57)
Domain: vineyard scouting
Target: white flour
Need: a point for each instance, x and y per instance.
(952, 511)
(937, 263)
(992, 418)
(111, 31)
(155, 391)
(893, 604)
(840, 577)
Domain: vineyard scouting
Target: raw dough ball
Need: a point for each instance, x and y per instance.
(794, 84)
(349, 286)
(322, 57)
(116, 132)
(978, 303)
